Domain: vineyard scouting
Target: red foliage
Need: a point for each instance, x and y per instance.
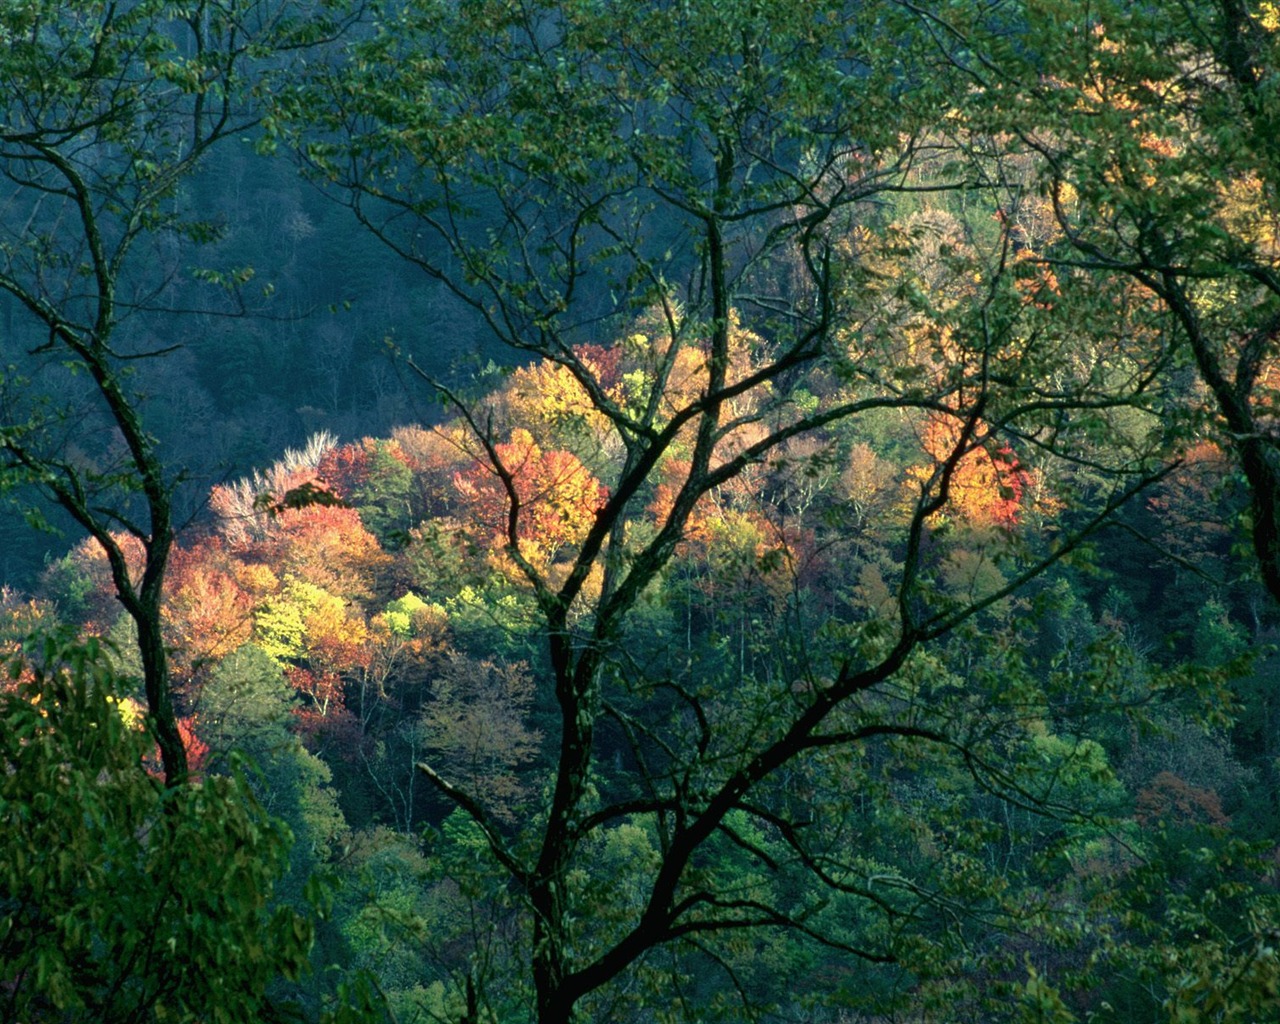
(557, 497)
(323, 716)
(344, 468)
(1168, 798)
(323, 693)
(988, 483)
(197, 751)
(604, 363)
(347, 468)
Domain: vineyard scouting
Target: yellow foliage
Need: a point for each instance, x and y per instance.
(257, 579)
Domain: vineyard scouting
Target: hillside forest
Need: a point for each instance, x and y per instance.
(709, 510)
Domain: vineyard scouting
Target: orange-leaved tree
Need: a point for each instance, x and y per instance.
(547, 500)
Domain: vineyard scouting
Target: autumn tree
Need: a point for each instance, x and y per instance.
(715, 184)
(207, 613)
(556, 499)
(475, 723)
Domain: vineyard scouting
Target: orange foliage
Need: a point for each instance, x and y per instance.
(89, 560)
(257, 579)
(207, 614)
(643, 355)
(557, 498)
(324, 545)
(1168, 798)
(868, 483)
(336, 638)
(1035, 280)
(688, 380)
(548, 399)
(988, 483)
(671, 475)
(434, 456)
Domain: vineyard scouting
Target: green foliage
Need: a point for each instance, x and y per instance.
(121, 900)
(246, 704)
(1041, 1003)
(855, 702)
(69, 586)
(412, 911)
(494, 617)
(1217, 640)
(400, 613)
(246, 711)
(384, 497)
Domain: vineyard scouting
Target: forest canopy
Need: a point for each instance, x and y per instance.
(821, 563)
